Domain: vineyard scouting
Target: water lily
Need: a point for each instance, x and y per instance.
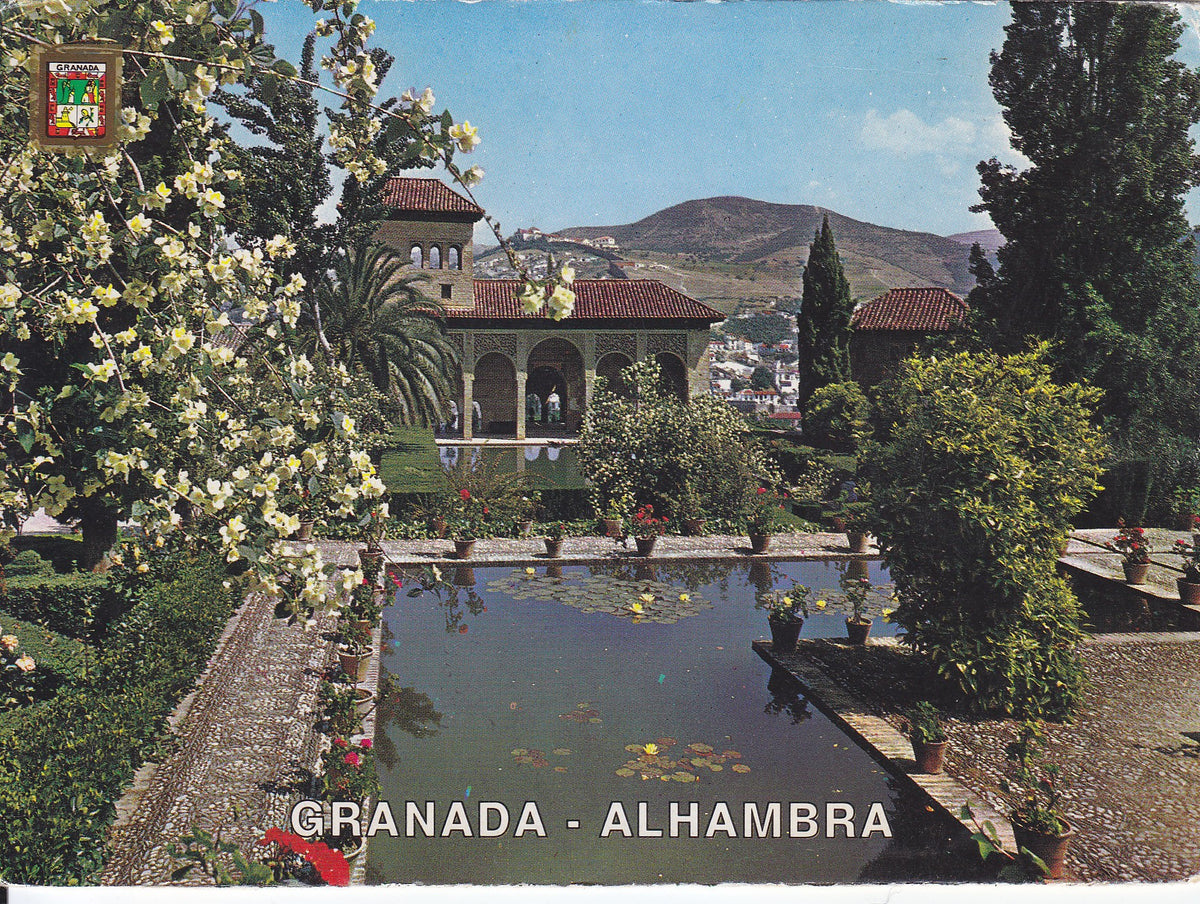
(647, 597)
(531, 571)
(820, 604)
(636, 609)
(684, 597)
(651, 749)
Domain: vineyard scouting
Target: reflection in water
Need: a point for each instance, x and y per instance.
(404, 708)
(786, 696)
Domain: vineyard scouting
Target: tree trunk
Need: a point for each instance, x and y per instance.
(99, 526)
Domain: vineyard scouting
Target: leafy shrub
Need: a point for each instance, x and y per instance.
(64, 658)
(836, 417)
(68, 603)
(650, 447)
(979, 464)
(27, 562)
(63, 763)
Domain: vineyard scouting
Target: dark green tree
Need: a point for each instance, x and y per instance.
(762, 378)
(1099, 255)
(823, 324)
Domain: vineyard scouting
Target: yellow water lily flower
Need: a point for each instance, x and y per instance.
(683, 597)
(651, 749)
(636, 608)
(887, 613)
(820, 604)
(647, 597)
(531, 571)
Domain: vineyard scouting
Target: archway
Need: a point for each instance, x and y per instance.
(495, 390)
(674, 374)
(610, 367)
(555, 368)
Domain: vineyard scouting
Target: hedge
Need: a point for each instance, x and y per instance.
(64, 763)
(74, 604)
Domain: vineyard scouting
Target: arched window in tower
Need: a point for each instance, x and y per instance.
(454, 258)
(417, 257)
(435, 257)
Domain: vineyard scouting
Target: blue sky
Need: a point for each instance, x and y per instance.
(600, 112)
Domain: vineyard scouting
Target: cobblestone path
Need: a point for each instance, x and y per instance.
(245, 750)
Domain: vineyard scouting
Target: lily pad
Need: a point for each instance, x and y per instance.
(625, 772)
(740, 767)
(561, 751)
(520, 751)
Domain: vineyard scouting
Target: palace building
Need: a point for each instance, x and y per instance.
(526, 375)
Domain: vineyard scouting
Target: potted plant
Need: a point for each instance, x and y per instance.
(365, 606)
(764, 519)
(647, 528)
(339, 715)
(348, 771)
(1131, 543)
(1189, 584)
(554, 539)
(467, 523)
(1185, 503)
(858, 626)
(613, 519)
(786, 611)
(354, 652)
(1039, 825)
(928, 738)
(525, 508)
(689, 510)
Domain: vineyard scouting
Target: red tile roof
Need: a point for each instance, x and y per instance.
(595, 299)
(426, 196)
(925, 310)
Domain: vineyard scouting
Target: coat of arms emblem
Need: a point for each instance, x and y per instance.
(75, 95)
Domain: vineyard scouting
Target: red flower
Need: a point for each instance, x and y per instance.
(396, 580)
(465, 494)
(351, 758)
(462, 629)
(761, 490)
(485, 510)
(340, 742)
(366, 744)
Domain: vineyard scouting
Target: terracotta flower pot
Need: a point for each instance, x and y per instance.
(464, 576)
(858, 631)
(930, 756)
(784, 635)
(694, 527)
(759, 543)
(857, 541)
(1135, 573)
(463, 548)
(1052, 849)
(371, 560)
(437, 527)
(553, 547)
(1189, 593)
(1196, 538)
(524, 528)
(645, 545)
(611, 526)
(364, 701)
(306, 530)
(839, 524)
(354, 664)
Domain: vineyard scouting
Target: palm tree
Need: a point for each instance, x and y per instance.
(373, 318)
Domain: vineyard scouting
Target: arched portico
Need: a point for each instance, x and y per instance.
(556, 380)
(495, 391)
(674, 374)
(610, 367)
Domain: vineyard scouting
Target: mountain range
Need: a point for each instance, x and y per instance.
(741, 255)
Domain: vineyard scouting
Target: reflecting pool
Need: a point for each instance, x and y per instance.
(549, 687)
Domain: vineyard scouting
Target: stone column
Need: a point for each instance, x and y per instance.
(589, 370)
(522, 377)
(641, 346)
(468, 398)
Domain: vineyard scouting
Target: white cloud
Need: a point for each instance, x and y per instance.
(906, 133)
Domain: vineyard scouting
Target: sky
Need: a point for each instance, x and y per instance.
(601, 112)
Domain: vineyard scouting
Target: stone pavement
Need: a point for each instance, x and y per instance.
(1130, 762)
(245, 748)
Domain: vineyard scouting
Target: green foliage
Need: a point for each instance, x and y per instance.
(64, 659)
(648, 448)
(27, 563)
(770, 328)
(978, 465)
(68, 603)
(924, 727)
(836, 417)
(1098, 256)
(63, 763)
(823, 324)
(222, 862)
(762, 378)
(1036, 783)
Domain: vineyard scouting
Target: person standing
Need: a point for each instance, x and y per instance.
(553, 409)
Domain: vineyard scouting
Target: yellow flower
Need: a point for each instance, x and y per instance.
(683, 597)
(636, 608)
(820, 604)
(647, 597)
(887, 613)
(466, 135)
(25, 662)
(651, 749)
(531, 570)
(9, 642)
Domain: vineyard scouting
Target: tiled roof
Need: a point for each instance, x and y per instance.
(595, 299)
(426, 196)
(925, 310)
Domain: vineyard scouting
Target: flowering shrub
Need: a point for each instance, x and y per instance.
(291, 855)
(766, 507)
(349, 771)
(649, 446)
(645, 524)
(17, 679)
(1131, 543)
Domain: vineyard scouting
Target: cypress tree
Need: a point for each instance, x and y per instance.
(823, 324)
